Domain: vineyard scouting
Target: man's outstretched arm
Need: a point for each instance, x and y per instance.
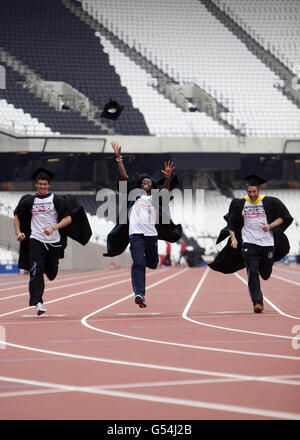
(117, 149)
(167, 173)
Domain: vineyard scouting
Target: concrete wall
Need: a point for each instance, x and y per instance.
(90, 257)
(12, 142)
(7, 233)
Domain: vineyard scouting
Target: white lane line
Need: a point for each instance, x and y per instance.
(156, 384)
(29, 393)
(285, 279)
(287, 271)
(142, 365)
(197, 347)
(177, 344)
(61, 278)
(70, 296)
(151, 366)
(166, 383)
(77, 294)
(268, 301)
(161, 399)
(77, 283)
(122, 386)
(185, 312)
(84, 319)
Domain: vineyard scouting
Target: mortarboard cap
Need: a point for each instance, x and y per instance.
(254, 180)
(42, 173)
(112, 110)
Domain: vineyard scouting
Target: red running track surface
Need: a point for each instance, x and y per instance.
(197, 352)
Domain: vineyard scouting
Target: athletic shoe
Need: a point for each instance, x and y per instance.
(40, 309)
(258, 308)
(140, 300)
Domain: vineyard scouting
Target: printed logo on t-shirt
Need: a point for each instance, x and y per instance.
(253, 210)
(41, 207)
(255, 217)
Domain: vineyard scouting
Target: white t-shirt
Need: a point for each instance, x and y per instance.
(142, 217)
(44, 214)
(252, 232)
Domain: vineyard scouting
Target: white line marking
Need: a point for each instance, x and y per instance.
(177, 344)
(144, 365)
(295, 271)
(122, 386)
(285, 279)
(268, 301)
(62, 278)
(75, 294)
(160, 399)
(184, 315)
(29, 393)
(168, 383)
(168, 368)
(65, 285)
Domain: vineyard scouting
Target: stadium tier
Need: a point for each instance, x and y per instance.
(274, 23)
(58, 46)
(121, 49)
(188, 42)
(23, 112)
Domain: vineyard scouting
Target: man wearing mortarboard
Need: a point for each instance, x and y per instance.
(142, 230)
(256, 225)
(42, 224)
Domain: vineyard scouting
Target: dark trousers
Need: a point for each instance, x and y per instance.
(258, 261)
(43, 259)
(144, 254)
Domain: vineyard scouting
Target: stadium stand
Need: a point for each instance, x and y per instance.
(274, 23)
(162, 117)
(38, 115)
(8, 256)
(60, 47)
(15, 119)
(188, 42)
(185, 41)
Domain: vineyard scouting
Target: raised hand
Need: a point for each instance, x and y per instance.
(117, 148)
(169, 167)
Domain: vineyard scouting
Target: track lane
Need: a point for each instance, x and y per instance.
(162, 314)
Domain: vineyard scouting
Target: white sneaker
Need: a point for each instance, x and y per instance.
(40, 309)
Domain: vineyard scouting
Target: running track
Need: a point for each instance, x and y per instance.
(197, 352)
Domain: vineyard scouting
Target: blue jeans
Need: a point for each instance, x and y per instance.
(144, 254)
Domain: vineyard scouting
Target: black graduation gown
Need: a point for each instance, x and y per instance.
(118, 238)
(79, 229)
(230, 260)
